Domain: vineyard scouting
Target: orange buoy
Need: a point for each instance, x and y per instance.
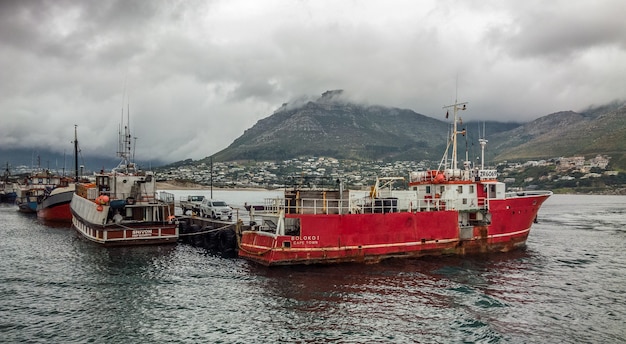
(104, 198)
(440, 178)
(99, 207)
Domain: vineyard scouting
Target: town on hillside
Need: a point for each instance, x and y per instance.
(563, 174)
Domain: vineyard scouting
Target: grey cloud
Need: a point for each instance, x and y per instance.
(197, 74)
(560, 29)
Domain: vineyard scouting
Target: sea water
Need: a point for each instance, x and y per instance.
(567, 286)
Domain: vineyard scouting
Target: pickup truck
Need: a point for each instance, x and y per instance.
(215, 209)
(191, 203)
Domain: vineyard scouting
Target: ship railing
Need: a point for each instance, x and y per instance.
(166, 197)
(528, 193)
(367, 205)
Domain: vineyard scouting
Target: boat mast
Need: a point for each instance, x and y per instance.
(455, 107)
(124, 144)
(483, 143)
(76, 151)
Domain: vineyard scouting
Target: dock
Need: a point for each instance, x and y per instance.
(219, 237)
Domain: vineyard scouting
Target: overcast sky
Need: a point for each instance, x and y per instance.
(197, 74)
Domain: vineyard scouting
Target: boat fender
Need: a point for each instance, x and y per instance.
(130, 200)
(227, 243)
(99, 207)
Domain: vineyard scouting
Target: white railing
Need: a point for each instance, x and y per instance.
(365, 205)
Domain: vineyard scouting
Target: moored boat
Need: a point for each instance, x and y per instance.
(444, 211)
(8, 187)
(123, 206)
(55, 203)
(34, 188)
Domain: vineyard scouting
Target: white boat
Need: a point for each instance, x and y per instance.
(123, 207)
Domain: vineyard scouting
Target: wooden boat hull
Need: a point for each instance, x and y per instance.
(146, 234)
(92, 222)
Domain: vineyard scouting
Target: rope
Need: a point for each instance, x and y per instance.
(204, 232)
(256, 253)
(241, 247)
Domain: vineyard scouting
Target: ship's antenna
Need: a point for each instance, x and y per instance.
(455, 107)
(483, 143)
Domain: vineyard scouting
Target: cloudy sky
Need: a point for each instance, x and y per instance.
(196, 74)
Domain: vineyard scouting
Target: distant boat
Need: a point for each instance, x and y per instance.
(123, 207)
(55, 203)
(33, 189)
(444, 211)
(8, 187)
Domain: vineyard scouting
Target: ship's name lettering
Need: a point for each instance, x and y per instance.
(142, 233)
(305, 238)
(488, 173)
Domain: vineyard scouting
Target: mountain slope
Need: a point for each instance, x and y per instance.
(596, 131)
(330, 126)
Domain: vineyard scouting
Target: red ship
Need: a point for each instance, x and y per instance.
(444, 211)
(55, 204)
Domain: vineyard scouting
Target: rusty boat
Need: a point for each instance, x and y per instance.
(446, 211)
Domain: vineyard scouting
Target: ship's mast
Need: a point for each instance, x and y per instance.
(124, 144)
(483, 143)
(76, 151)
(455, 108)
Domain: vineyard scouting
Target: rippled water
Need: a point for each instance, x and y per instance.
(567, 286)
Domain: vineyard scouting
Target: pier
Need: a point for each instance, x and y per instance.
(220, 237)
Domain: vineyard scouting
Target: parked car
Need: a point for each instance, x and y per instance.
(191, 202)
(216, 209)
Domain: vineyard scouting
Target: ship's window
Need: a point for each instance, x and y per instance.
(471, 189)
(427, 189)
(459, 189)
(464, 200)
(103, 181)
(442, 189)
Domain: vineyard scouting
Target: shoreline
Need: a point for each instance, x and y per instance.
(170, 185)
(173, 185)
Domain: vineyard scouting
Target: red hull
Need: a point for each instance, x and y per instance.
(373, 237)
(56, 205)
(58, 213)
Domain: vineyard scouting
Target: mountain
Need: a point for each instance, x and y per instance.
(600, 130)
(331, 126)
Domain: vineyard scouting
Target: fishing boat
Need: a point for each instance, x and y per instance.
(55, 203)
(34, 188)
(444, 211)
(8, 187)
(123, 207)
